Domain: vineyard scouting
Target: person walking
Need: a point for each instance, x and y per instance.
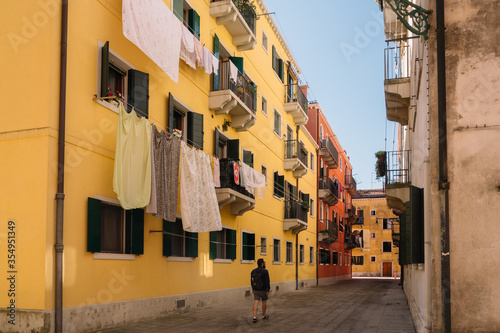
(259, 279)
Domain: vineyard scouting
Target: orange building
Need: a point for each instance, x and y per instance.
(335, 209)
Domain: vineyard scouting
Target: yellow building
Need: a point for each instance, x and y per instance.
(379, 236)
(155, 267)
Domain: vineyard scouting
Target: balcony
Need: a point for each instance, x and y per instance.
(234, 98)
(392, 26)
(239, 18)
(397, 179)
(296, 104)
(295, 158)
(351, 239)
(295, 216)
(350, 184)
(330, 234)
(241, 200)
(350, 212)
(328, 190)
(329, 154)
(397, 83)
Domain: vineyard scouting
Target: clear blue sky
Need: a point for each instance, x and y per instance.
(339, 46)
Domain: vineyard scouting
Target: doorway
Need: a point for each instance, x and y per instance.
(387, 269)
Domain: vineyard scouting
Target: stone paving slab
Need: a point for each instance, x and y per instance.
(357, 305)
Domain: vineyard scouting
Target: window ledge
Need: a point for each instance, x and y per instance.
(278, 135)
(302, 264)
(248, 261)
(275, 197)
(276, 262)
(114, 256)
(107, 105)
(180, 259)
(263, 254)
(289, 263)
(223, 261)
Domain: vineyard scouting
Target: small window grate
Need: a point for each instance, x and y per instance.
(181, 303)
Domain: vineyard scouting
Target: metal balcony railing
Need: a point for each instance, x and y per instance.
(295, 210)
(350, 182)
(247, 11)
(293, 93)
(350, 208)
(398, 167)
(295, 149)
(326, 183)
(328, 144)
(333, 228)
(396, 61)
(227, 177)
(242, 87)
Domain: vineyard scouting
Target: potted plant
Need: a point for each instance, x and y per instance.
(305, 204)
(380, 165)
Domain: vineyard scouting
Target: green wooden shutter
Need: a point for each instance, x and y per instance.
(305, 197)
(105, 70)
(213, 244)
(233, 149)
(407, 235)
(251, 246)
(238, 62)
(275, 183)
(281, 187)
(274, 58)
(191, 244)
(171, 103)
(281, 66)
(216, 143)
(254, 97)
(247, 157)
(179, 9)
(93, 225)
(138, 91)
(167, 238)
(194, 22)
(216, 53)
(134, 231)
(195, 129)
(231, 244)
(244, 247)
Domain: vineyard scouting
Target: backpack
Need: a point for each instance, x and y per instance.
(257, 283)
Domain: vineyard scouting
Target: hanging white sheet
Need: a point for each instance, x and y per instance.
(154, 29)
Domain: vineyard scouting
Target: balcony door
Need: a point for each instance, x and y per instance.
(290, 144)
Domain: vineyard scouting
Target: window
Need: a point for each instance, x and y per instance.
(264, 105)
(289, 252)
(188, 16)
(340, 163)
(264, 171)
(118, 75)
(182, 118)
(278, 65)
(335, 258)
(177, 242)
(360, 219)
(224, 147)
(321, 132)
(324, 256)
(223, 244)
(279, 185)
(373, 259)
(347, 259)
(263, 246)
(247, 157)
(340, 259)
(373, 212)
(373, 235)
(301, 254)
(110, 229)
(264, 40)
(321, 213)
(357, 260)
(311, 255)
(276, 251)
(247, 246)
(386, 246)
(312, 161)
(311, 207)
(277, 123)
(387, 224)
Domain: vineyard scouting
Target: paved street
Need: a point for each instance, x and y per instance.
(358, 305)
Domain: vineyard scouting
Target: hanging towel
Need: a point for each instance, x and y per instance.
(216, 172)
(236, 172)
(187, 47)
(199, 206)
(164, 183)
(198, 51)
(207, 61)
(215, 64)
(132, 169)
(253, 180)
(233, 71)
(154, 29)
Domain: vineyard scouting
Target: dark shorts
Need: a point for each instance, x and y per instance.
(260, 294)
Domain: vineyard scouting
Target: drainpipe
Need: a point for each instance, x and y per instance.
(317, 196)
(297, 234)
(59, 247)
(444, 185)
(427, 243)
